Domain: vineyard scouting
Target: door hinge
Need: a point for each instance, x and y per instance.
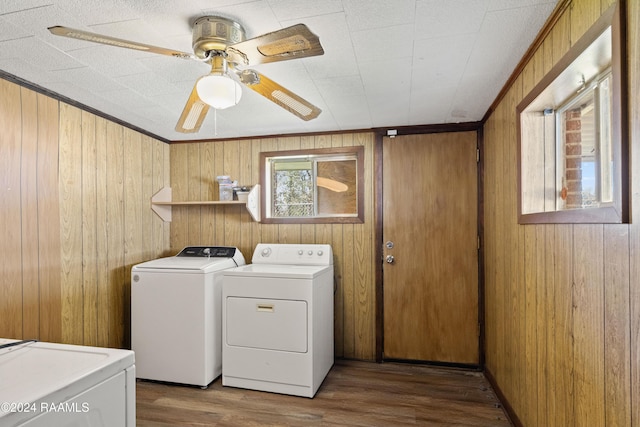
(478, 242)
(477, 155)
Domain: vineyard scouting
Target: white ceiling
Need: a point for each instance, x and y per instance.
(387, 63)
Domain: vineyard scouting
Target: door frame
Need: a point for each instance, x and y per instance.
(380, 133)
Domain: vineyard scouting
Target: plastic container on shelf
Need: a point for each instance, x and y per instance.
(225, 186)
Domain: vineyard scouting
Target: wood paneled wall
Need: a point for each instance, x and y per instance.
(194, 167)
(74, 217)
(562, 301)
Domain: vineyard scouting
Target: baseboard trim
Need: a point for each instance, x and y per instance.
(513, 417)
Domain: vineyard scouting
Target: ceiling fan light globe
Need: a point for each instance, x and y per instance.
(219, 91)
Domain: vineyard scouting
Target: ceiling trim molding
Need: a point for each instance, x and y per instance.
(399, 130)
(21, 82)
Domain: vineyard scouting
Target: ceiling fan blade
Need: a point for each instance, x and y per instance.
(112, 41)
(193, 114)
(292, 42)
(278, 94)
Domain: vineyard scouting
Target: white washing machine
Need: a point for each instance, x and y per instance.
(46, 384)
(277, 327)
(176, 314)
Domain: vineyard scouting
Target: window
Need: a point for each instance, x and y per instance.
(573, 164)
(313, 186)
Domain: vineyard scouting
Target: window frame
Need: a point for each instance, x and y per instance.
(316, 155)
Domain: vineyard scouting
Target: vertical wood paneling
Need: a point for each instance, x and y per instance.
(68, 222)
(617, 356)
(133, 223)
(70, 182)
(364, 279)
(145, 251)
(29, 208)
(562, 366)
(580, 298)
(588, 318)
(231, 225)
(89, 237)
(102, 227)
(10, 200)
(115, 233)
(179, 186)
(49, 252)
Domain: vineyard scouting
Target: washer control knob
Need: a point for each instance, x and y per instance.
(266, 252)
(310, 253)
(300, 252)
(320, 253)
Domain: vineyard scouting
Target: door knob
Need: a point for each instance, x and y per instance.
(390, 259)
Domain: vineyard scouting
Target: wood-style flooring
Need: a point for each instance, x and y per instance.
(354, 393)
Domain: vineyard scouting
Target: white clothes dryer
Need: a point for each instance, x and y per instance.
(278, 320)
(46, 384)
(176, 314)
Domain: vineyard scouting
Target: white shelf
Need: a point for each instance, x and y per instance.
(161, 203)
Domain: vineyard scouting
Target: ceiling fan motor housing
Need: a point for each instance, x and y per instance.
(214, 33)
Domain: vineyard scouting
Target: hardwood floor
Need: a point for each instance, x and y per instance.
(353, 394)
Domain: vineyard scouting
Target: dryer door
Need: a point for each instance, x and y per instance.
(271, 324)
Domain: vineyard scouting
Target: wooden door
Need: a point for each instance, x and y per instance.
(430, 220)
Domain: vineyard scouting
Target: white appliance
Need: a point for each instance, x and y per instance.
(278, 320)
(176, 314)
(46, 384)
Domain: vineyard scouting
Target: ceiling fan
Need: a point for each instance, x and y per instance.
(221, 42)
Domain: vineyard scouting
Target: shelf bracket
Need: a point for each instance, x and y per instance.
(163, 211)
(253, 203)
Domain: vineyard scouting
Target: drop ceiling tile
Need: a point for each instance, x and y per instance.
(25, 71)
(366, 14)
(341, 87)
(104, 60)
(99, 12)
(441, 60)
(385, 80)
(504, 38)
(146, 84)
(430, 105)
(124, 97)
(482, 89)
(85, 78)
(386, 111)
(30, 50)
(285, 10)
(514, 4)
(35, 21)
(8, 6)
(437, 18)
(9, 31)
(384, 44)
(351, 113)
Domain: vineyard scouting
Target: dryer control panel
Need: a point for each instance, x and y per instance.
(293, 254)
(208, 251)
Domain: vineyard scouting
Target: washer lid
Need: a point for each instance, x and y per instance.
(37, 370)
(187, 264)
(281, 271)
